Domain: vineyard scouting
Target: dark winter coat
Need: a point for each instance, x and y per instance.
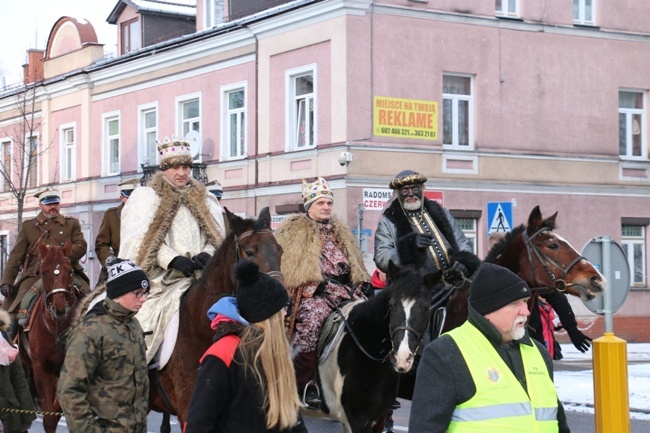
(444, 381)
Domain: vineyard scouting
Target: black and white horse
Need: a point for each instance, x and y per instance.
(380, 338)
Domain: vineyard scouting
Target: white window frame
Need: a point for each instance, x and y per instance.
(143, 131)
(628, 244)
(291, 111)
(226, 153)
(68, 152)
(35, 177)
(455, 99)
(580, 6)
(6, 141)
(180, 121)
(213, 11)
(504, 9)
(629, 114)
(106, 143)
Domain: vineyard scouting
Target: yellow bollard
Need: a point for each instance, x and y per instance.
(611, 396)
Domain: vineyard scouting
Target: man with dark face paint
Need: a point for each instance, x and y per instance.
(413, 225)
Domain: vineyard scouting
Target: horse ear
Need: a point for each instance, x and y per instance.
(534, 220)
(42, 249)
(265, 218)
(392, 270)
(67, 248)
(550, 221)
(236, 223)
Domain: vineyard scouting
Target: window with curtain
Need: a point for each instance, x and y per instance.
(302, 109)
(507, 8)
(584, 12)
(631, 125)
(457, 106)
(633, 241)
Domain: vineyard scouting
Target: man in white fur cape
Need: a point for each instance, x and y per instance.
(170, 228)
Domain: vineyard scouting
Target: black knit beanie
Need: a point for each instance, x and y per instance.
(259, 296)
(494, 287)
(124, 276)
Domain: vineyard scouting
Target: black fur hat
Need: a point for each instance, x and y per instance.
(259, 296)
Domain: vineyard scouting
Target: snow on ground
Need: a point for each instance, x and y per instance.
(576, 388)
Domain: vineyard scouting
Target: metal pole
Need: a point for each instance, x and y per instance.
(360, 224)
(607, 273)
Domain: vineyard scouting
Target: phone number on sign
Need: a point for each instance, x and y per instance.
(406, 132)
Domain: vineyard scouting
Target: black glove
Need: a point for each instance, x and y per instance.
(455, 275)
(367, 289)
(183, 264)
(423, 241)
(579, 340)
(201, 260)
(7, 290)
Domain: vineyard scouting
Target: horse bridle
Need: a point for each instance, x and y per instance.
(559, 285)
(68, 291)
(273, 274)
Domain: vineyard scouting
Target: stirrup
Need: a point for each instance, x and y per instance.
(314, 401)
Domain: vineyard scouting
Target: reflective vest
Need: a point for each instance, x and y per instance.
(501, 404)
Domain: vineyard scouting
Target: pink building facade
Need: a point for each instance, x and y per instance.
(536, 105)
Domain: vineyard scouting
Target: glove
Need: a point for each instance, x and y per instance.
(423, 241)
(579, 340)
(183, 264)
(201, 260)
(367, 289)
(455, 275)
(7, 290)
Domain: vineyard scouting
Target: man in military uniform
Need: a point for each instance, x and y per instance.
(22, 269)
(107, 242)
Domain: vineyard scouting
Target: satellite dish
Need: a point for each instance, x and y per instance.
(194, 139)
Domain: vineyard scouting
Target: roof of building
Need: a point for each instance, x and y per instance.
(166, 7)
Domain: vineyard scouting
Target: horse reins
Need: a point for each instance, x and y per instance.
(559, 284)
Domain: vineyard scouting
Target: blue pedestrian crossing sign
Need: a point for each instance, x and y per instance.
(499, 216)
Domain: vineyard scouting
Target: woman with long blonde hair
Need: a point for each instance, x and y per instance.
(246, 382)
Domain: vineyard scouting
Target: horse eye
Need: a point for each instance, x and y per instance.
(250, 253)
(553, 246)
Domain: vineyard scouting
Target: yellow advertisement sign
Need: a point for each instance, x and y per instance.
(406, 118)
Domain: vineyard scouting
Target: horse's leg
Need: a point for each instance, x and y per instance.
(165, 426)
(46, 389)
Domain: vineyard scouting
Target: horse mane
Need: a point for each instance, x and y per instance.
(500, 246)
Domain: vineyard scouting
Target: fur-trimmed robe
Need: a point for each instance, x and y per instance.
(301, 264)
(394, 225)
(160, 222)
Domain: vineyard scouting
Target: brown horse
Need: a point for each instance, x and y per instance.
(542, 258)
(52, 316)
(250, 240)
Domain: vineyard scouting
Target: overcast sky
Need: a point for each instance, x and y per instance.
(26, 24)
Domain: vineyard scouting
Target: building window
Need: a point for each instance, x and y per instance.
(234, 121)
(631, 125)
(457, 107)
(301, 108)
(148, 135)
(6, 165)
(213, 12)
(130, 36)
(468, 226)
(190, 116)
(507, 8)
(68, 153)
(112, 144)
(584, 12)
(31, 161)
(634, 244)
(4, 252)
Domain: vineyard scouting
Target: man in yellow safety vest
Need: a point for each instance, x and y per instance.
(488, 375)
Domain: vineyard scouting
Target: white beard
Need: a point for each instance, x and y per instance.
(413, 206)
(517, 333)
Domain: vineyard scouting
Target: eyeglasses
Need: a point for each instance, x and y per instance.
(140, 293)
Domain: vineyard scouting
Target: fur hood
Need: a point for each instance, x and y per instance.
(170, 201)
(5, 320)
(300, 239)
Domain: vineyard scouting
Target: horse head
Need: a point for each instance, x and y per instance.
(409, 312)
(547, 261)
(57, 277)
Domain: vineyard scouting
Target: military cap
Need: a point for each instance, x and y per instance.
(215, 188)
(127, 187)
(48, 195)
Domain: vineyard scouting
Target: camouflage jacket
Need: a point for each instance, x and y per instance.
(103, 385)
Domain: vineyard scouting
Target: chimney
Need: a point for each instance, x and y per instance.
(33, 69)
